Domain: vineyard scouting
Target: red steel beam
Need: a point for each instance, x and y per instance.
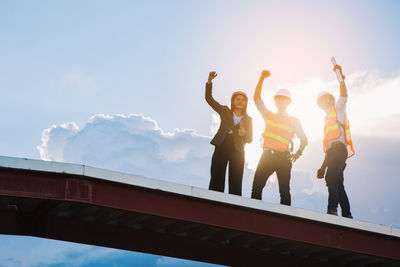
(160, 203)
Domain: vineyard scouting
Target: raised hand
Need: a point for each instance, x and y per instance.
(338, 67)
(211, 76)
(265, 74)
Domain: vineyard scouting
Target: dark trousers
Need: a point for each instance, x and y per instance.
(223, 154)
(336, 160)
(269, 163)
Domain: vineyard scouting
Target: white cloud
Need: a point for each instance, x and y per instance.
(215, 121)
(133, 144)
(54, 140)
(388, 127)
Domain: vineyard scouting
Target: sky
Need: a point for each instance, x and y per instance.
(120, 84)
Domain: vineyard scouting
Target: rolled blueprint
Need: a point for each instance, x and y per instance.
(338, 75)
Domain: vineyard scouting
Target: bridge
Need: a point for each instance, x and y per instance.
(88, 205)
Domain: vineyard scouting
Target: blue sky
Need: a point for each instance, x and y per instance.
(65, 62)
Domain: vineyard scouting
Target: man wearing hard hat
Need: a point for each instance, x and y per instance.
(337, 146)
(277, 143)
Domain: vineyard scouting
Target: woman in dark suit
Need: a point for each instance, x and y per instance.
(234, 132)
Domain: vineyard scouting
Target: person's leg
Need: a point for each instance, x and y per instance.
(264, 169)
(218, 169)
(343, 199)
(333, 194)
(236, 165)
(283, 173)
(336, 162)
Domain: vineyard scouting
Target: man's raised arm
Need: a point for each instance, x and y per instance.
(257, 92)
(343, 88)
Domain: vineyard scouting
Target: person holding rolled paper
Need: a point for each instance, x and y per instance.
(337, 145)
(234, 132)
(280, 128)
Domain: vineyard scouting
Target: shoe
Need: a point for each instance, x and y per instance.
(348, 216)
(332, 212)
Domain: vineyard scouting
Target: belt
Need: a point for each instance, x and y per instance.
(337, 143)
(274, 152)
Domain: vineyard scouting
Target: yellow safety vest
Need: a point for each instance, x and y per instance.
(278, 132)
(332, 131)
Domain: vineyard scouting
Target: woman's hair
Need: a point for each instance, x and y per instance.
(234, 95)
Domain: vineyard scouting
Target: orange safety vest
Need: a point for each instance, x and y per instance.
(278, 132)
(332, 131)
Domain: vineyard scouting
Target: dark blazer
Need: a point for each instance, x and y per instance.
(227, 123)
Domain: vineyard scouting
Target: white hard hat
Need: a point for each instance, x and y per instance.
(283, 92)
(323, 93)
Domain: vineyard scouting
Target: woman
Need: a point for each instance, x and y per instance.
(234, 132)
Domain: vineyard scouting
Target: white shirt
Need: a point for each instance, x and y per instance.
(340, 107)
(236, 120)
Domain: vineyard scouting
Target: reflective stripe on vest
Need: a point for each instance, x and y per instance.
(332, 131)
(278, 132)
